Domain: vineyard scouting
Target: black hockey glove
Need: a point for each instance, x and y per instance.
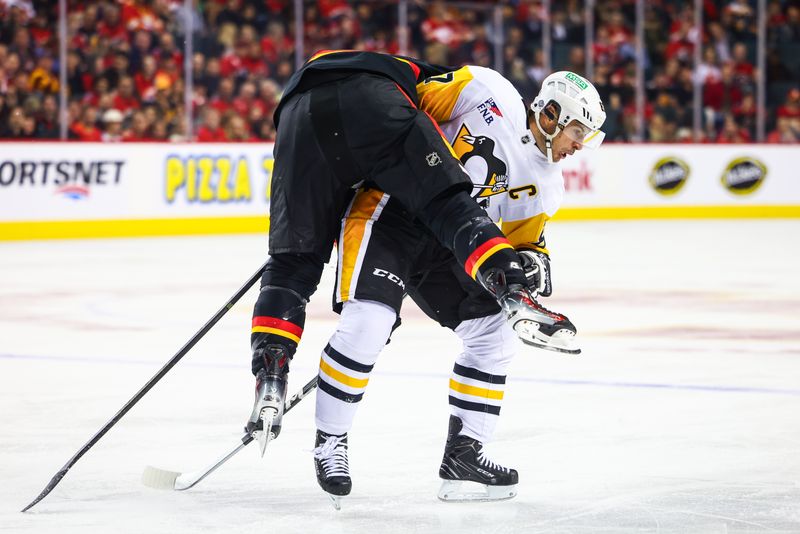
(537, 270)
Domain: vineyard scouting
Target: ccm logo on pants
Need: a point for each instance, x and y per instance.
(382, 273)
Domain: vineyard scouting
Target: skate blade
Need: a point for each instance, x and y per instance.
(467, 491)
(561, 341)
(554, 348)
(336, 501)
(266, 435)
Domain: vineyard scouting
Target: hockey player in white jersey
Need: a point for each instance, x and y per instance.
(511, 153)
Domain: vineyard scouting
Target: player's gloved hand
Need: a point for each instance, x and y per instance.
(537, 270)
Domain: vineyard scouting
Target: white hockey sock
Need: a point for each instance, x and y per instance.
(347, 360)
(479, 374)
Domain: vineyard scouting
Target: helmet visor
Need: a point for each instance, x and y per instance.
(575, 131)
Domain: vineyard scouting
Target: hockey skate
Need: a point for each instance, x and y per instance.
(265, 420)
(330, 463)
(468, 475)
(536, 325)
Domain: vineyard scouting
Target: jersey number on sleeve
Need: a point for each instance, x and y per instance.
(441, 78)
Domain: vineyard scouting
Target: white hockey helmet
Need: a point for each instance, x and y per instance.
(577, 100)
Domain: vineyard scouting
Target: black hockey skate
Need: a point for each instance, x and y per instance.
(330, 463)
(265, 420)
(465, 462)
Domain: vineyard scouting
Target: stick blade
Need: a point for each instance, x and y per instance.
(156, 478)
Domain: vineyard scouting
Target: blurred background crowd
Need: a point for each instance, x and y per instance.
(125, 62)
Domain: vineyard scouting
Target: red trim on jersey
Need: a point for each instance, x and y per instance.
(415, 68)
(405, 95)
(435, 125)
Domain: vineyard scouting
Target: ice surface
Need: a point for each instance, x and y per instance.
(681, 415)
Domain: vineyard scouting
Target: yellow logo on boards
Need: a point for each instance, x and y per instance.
(209, 179)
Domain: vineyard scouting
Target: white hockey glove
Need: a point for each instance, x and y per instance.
(537, 270)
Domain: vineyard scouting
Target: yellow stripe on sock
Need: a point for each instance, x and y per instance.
(476, 391)
(341, 377)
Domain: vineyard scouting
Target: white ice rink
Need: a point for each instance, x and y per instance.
(681, 415)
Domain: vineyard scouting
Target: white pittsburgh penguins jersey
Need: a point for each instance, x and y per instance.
(485, 120)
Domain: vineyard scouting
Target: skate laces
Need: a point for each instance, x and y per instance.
(529, 301)
(333, 456)
(485, 461)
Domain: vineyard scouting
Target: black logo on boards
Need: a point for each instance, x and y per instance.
(669, 175)
(743, 175)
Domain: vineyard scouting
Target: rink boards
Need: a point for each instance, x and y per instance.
(67, 190)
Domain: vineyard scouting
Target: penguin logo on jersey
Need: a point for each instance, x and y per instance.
(468, 146)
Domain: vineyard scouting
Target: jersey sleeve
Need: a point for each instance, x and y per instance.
(442, 96)
(527, 233)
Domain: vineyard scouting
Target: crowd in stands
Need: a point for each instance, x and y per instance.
(125, 62)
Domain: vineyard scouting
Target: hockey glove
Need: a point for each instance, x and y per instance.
(537, 270)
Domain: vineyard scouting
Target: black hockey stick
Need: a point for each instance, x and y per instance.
(152, 382)
(162, 479)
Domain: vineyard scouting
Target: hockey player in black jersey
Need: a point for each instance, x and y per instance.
(349, 119)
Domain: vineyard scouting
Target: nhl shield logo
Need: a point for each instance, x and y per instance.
(433, 159)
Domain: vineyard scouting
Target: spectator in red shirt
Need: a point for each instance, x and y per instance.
(791, 107)
(167, 50)
(125, 100)
(40, 31)
(145, 79)
(275, 45)
(253, 61)
(139, 15)
(247, 100)
(112, 27)
(223, 101)
(232, 63)
(681, 44)
(210, 131)
(85, 128)
(100, 88)
(741, 66)
(723, 94)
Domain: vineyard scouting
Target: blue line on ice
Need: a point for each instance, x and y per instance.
(550, 381)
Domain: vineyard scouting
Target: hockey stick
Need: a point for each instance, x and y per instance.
(152, 382)
(163, 479)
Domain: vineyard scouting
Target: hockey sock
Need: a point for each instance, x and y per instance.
(279, 315)
(479, 375)
(347, 361)
(278, 319)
